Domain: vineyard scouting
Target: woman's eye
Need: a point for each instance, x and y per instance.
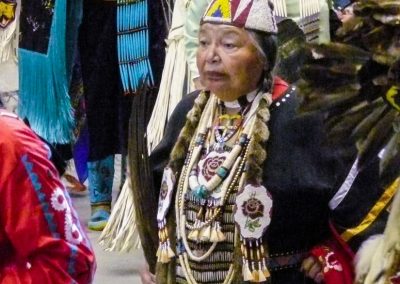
(229, 45)
(202, 42)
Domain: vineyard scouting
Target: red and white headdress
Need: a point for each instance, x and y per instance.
(249, 14)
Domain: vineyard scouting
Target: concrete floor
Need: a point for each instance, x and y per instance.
(112, 267)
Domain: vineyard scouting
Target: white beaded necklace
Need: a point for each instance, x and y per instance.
(233, 162)
(206, 228)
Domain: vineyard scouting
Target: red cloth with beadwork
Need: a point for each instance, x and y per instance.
(336, 264)
(41, 239)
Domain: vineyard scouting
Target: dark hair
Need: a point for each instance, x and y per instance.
(267, 45)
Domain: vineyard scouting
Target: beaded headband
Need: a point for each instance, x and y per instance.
(250, 14)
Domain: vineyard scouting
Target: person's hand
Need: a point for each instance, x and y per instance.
(146, 276)
(312, 268)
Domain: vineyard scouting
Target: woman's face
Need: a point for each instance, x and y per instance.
(346, 14)
(229, 64)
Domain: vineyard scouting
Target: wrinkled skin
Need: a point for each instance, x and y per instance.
(229, 64)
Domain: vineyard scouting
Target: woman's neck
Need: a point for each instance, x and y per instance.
(233, 107)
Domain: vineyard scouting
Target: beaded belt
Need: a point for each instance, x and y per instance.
(285, 260)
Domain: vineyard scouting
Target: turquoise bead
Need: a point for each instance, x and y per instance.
(243, 139)
(222, 172)
(201, 192)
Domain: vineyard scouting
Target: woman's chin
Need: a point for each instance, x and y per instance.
(218, 88)
(215, 86)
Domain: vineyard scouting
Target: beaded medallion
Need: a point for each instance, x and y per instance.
(253, 211)
(166, 189)
(165, 253)
(252, 216)
(7, 12)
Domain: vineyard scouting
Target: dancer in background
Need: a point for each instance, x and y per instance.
(9, 35)
(115, 43)
(47, 54)
(107, 110)
(41, 238)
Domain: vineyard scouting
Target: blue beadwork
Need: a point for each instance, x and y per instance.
(222, 172)
(180, 248)
(200, 139)
(201, 192)
(133, 45)
(243, 139)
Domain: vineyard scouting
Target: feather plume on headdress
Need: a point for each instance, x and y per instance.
(356, 83)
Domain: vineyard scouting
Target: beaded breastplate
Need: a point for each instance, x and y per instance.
(216, 208)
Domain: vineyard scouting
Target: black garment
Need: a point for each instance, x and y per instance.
(64, 150)
(158, 32)
(301, 175)
(57, 158)
(349, 214)
(36, 20)
(107, 109)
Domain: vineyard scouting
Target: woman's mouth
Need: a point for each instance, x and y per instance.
(214, 76)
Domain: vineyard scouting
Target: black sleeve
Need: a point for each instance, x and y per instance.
(301, 173)
(363, 211)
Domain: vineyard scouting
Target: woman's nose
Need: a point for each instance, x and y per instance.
(212, 54)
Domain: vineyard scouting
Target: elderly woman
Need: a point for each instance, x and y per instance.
(245, 184)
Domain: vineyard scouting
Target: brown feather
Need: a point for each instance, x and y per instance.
(389, 166)
(376, 139)
(362, 129)
(144, 192)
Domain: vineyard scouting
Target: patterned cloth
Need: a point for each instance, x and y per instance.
(36, 25)
(336, 265)
(253, 15)
(41, 239)
(101, 175)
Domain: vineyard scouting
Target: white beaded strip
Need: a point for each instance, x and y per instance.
(285, 97)
(227, 164)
